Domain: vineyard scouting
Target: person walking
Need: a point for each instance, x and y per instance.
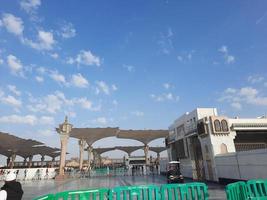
(12, 187)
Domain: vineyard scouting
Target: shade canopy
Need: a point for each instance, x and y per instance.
(91, 135)
(144, 136)
(10, 144)
(129, 149)
(103, 150)
(157, 149)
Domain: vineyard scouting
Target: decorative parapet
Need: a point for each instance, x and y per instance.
(249, 126)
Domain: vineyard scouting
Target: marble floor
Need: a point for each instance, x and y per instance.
(37, 188)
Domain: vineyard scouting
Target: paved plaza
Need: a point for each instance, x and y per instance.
(37, 188)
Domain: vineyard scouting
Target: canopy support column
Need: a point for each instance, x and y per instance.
(64, 131)
(146, 149)
(42, 161)
(90, 154)
(13, 158)
(81, 145)
(30, 161)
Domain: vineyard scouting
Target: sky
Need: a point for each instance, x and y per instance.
(128, 64)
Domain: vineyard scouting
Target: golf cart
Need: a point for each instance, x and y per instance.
(173, 173)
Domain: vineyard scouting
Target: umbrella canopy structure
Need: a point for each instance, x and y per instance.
(129, 149)
(157, 149)
(144, 136)
(99, 151)
(91, 135)
(10, 144)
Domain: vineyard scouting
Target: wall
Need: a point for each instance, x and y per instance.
(242, 165)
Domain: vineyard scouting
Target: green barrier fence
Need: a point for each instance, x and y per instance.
(252, 190)
(237, 191)
(190, 191)
(91, 194)
(147, 192)
(197, 191)
(45, 197)
(173, 192)
(257, 188)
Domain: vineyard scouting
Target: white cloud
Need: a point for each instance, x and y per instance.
(13, 89)
(13, 24)
(30, 6)
(130, 68)
(54, 103)
(39, 79)
(165, 97)
(138, 113)
(236, 105)
(84, 58)
(115, 102)
(1, 61)
(245, 95)
(45, 41)
(255, 79)
(46, 120)
(114, 87)
(227, 57)
(14, 64)
(167, 86)
(180, 58)
(17, 119)
(58, 77)
(102, 87)
(12, 101)
(79, 81)
(70, 61)
(100, 121)
(165, 41)
(67, 30)
(230, 59)
(45, 132)
(85, 103)
(54, 55)
(41, 70)
(223, 49)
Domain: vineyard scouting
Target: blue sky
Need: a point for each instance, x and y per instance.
(131, 64)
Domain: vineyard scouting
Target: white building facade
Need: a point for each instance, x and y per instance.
(204, 142)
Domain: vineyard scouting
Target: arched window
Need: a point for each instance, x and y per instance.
(217, 125)
(224, 126)
(224, 148)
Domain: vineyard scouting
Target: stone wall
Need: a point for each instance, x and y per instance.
(242, 165)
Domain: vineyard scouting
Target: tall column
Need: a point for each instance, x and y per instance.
(64, 131)
(146, 148)
(158, 158)
(53, 162)
(81, 146)
(13, 158)
(30, 161)
(90, 153)
(25, 162)
(158, 163)
(42, 161)
(8, 162)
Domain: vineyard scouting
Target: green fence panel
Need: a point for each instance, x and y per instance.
(257, 188)
(91, 194)
(146, 192)
(173, 192)
(45, 197)
(197, 191)
(237, 191)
